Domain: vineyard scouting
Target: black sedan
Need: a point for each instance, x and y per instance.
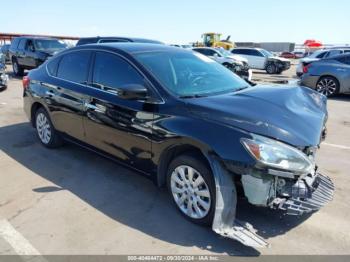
(188, 123)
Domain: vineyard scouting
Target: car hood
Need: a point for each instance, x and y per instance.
(292, 114)
(238, 58)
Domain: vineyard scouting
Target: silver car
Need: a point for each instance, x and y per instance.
(328, 76)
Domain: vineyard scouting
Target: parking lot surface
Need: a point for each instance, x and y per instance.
(72, 201)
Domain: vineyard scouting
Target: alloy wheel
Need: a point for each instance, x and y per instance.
(190, 192)
(327, 86)
(15, 67)
(43, 128)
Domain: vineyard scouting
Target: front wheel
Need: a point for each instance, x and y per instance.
(271, 69)
(192, 187)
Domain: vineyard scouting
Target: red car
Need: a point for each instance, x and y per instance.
(287, 55)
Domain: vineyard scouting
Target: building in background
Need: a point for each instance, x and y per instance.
(270, 46)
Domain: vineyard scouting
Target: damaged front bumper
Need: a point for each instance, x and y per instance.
(296, 196)
(315, 194)
(305, 194)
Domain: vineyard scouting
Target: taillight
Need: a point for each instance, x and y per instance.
(306, 68)
(25, 82)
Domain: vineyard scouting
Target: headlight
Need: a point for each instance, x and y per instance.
(276, 154)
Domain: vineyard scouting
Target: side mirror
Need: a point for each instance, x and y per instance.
(216, 55)
(133, 92)
(31, 48)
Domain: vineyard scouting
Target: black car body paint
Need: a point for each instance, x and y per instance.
(146, 134)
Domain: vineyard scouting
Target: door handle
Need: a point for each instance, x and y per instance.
(98, 108)
(50, 93)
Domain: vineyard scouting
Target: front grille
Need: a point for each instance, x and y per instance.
(320, 194)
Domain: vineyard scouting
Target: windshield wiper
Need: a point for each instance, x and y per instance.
(241, 88)
(193, 96)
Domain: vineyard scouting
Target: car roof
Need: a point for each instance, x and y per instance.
(135, 39)
(133, 47)
(336, 57)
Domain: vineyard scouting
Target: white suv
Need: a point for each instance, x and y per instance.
(235, 63)
(262, 59)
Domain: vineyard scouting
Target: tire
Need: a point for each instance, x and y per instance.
(271, 68)
(17, 69)
(46, 132)
(328, 86)
(203, 204)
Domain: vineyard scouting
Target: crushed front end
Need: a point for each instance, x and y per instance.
(297, 195)
(285, 177)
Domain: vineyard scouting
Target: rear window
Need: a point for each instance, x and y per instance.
(52, 66)
(74, 67)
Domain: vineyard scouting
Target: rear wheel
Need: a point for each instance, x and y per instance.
(192, 187)
(328, 85)
(17, 69)
(47, 134)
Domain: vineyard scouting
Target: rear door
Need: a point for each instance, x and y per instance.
(256, 58)
(66, 95)
(118, 126)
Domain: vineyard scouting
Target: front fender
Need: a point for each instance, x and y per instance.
(207, 136)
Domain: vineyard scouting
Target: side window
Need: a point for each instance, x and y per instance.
(52, 66)
(344, 60)
(30, 46)
(202, 51)
(211, 52)
(237, 51)
(74, 66)
(334, 53)
(112, 72)
(22, 44)
(322, 55)
(254, 52)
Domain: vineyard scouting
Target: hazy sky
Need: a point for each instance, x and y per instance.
(182, 21)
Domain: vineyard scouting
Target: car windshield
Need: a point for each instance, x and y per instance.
(49, 44)
(266, 53)
(223, 52)
(190, 74)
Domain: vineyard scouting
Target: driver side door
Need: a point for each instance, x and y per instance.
(117, 126)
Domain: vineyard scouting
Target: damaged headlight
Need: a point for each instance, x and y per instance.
(276, 154)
